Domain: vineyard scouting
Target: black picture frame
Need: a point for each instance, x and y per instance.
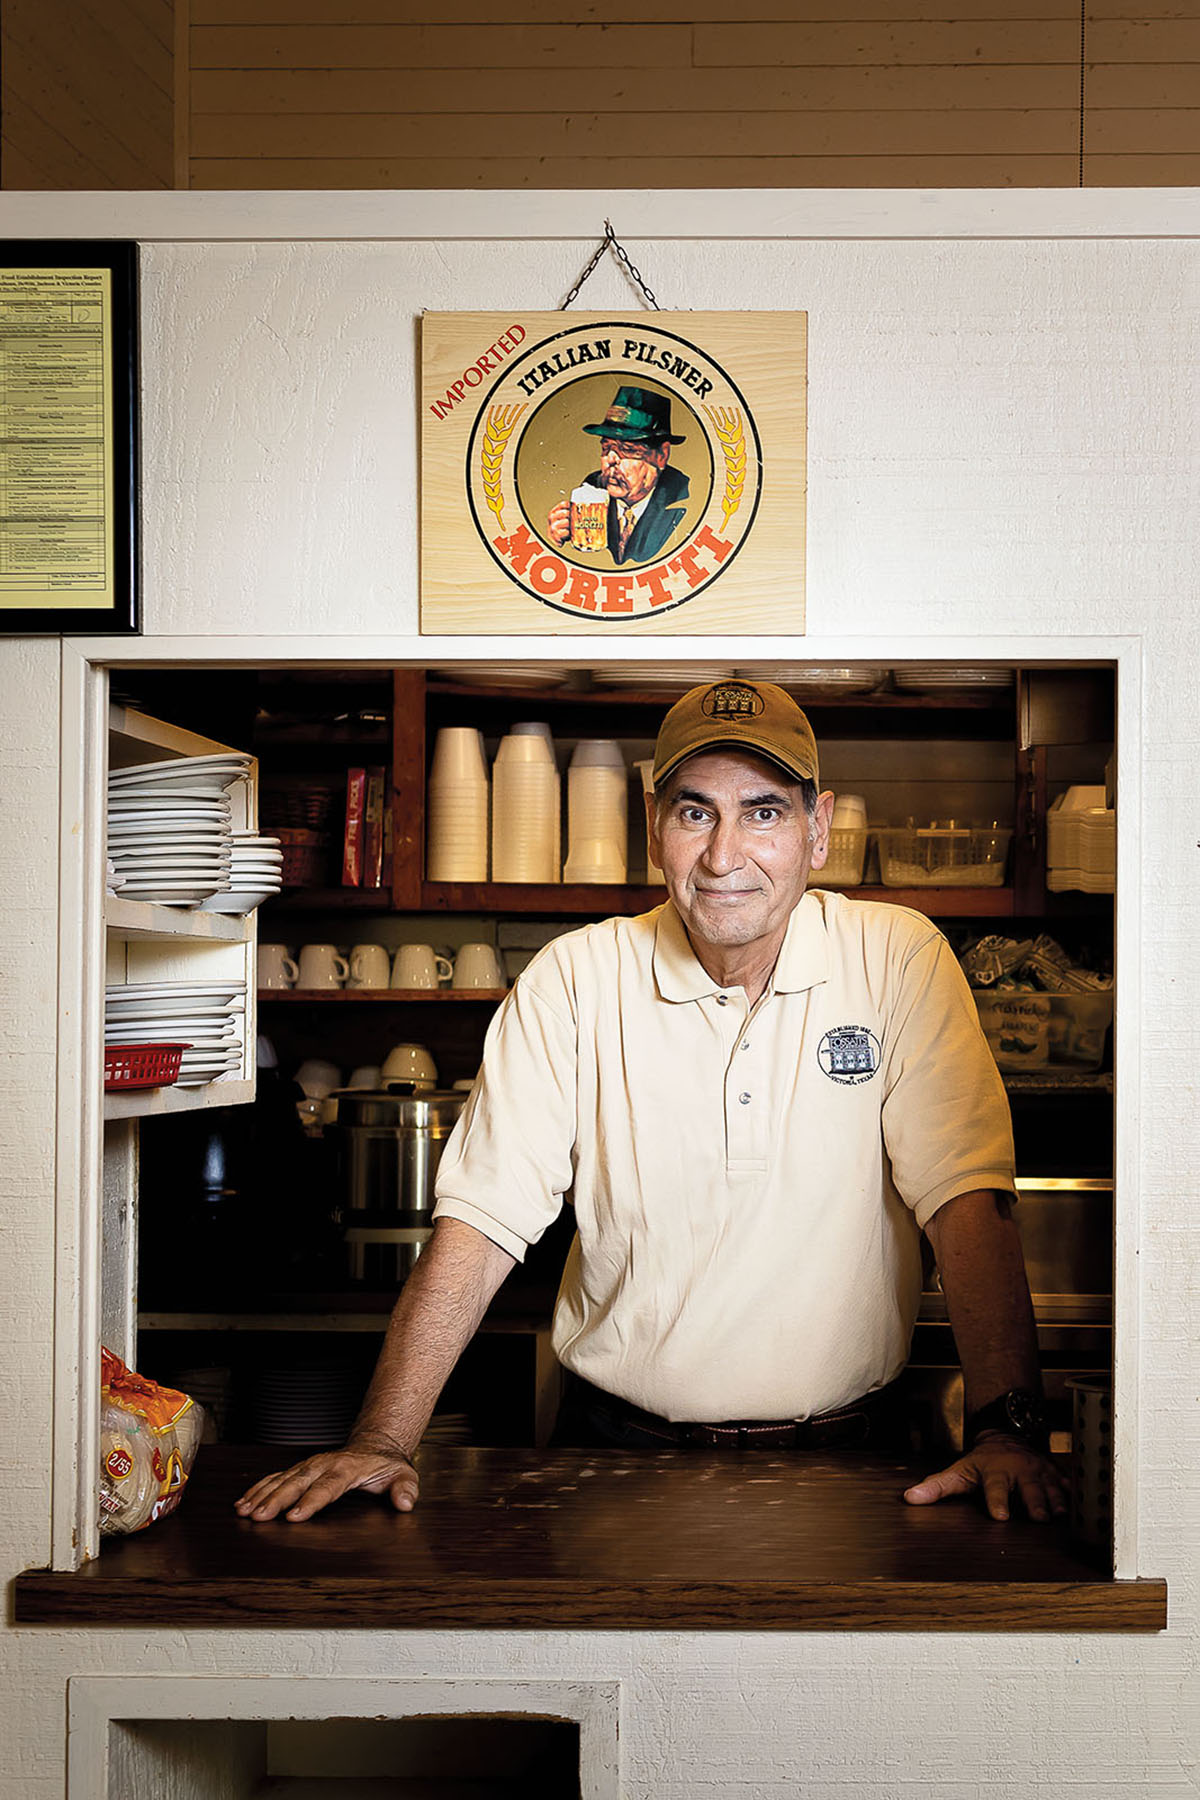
(122, 615)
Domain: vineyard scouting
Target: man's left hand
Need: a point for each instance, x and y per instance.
(999, 1467)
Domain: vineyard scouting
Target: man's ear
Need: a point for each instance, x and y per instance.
(818, 833)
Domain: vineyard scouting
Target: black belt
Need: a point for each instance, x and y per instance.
(846, 1427)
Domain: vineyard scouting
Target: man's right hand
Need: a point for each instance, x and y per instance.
(304, 1489)
(558, 524)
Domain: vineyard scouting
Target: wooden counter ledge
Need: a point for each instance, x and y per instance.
(582, 1539)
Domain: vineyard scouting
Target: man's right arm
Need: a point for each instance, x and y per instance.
(437, 1314)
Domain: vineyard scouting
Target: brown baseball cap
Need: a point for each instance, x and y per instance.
(737, 715)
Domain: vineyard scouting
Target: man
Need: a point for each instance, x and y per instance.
(646, 498)
(755, 1096)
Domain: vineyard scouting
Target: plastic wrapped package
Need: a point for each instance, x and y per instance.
(149, 1435)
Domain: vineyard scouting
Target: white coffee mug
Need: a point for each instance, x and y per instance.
(321, 966)
(275, 967)
(416, 966)
(368, 966)
(478, 966)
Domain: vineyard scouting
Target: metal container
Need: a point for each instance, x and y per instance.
(390, 1143)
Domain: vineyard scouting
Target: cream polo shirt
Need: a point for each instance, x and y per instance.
(747, 1183)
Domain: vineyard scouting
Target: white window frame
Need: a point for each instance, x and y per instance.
(79, 1178)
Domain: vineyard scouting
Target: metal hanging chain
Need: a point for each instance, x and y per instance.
(610, 242)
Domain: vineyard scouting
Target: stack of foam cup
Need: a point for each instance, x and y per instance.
(458, 807)
(597, 812)
(646, 771)
(525, 806)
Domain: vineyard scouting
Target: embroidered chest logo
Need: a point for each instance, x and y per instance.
(849, 1054)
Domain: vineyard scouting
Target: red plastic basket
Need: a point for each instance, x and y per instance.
(142, 1065)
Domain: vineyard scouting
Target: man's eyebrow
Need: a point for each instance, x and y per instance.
(694, 797)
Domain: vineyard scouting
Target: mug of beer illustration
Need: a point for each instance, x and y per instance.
(589, 518)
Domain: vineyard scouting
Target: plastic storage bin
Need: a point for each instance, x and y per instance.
(943, 856)
(1033, 1031)
(846, 860)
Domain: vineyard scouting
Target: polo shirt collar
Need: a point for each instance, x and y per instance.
(803, 958)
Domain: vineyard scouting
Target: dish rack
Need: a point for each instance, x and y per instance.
(943, 856)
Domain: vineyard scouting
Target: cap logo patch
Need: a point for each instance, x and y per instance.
(732, 700)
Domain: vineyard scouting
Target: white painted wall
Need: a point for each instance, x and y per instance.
(1004, 439)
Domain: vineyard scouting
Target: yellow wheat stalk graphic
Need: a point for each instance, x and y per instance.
(496, 433)
(728, 426)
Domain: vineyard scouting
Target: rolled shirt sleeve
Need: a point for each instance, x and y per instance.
(510, 1158)
(946, 1120)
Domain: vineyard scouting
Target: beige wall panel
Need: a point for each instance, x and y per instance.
(861, 89)
(682, 172)
(72, 142)
(608, 12)
(132, 36)
(441, 47)
(93, 43)
(1144, 40)
(62, 164)
(487, 135)
(1143, 84)
(19, 171)
(1142, 171)
(1124, 131)
(158, 16)
(990, 41)
(90, 97)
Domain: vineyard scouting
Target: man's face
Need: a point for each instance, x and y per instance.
(736, 844)
(629, 471)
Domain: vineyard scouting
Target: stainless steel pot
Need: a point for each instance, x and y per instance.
(390, 1144)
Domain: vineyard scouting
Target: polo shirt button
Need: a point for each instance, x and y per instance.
(722, 999)
(746, 1045)
(745, 1099)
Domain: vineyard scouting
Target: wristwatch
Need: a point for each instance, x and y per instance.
(1019, 1414)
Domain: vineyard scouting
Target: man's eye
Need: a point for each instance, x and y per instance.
(765, 815)
(693, 815)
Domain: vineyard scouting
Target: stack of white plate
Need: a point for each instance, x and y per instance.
(458, 807)
(170, 827)
(207, 1015)
(927, 678)
(503, 674)
(255, 874)
(658, 677)
(304, 1405)
(815, 679)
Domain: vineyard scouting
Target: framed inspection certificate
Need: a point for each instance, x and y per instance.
(68, 437)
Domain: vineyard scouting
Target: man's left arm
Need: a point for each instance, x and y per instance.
(978, 1250)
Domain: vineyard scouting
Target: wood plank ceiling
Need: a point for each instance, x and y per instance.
(624, 93)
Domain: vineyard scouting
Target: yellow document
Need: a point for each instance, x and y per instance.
(56, 452)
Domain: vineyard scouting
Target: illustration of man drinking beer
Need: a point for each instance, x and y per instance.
(633, 503)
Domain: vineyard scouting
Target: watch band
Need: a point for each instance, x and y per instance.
(1019, 1413)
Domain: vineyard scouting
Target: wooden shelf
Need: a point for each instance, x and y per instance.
(330, 899)
(143, 1103)
(381, 996)
(164, 924)
(594, 901)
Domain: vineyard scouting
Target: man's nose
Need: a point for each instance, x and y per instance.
(724, 850)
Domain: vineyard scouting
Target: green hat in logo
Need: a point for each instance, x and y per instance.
(637, 415)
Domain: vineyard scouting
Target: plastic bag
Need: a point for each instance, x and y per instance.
(148, 1440)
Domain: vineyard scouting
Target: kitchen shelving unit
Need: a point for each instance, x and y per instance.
(150, 942)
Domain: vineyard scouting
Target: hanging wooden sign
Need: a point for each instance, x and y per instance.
(610, 472)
